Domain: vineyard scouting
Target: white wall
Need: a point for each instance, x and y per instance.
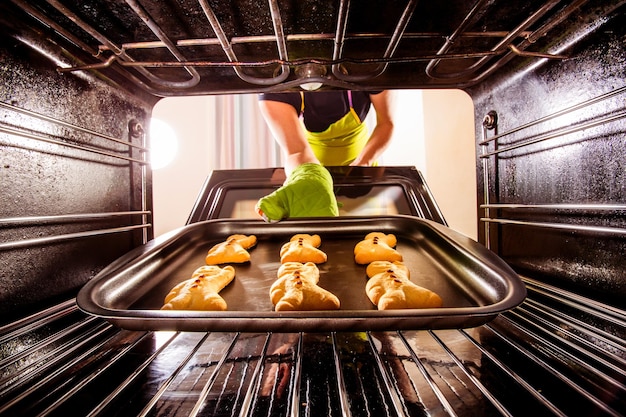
(451, 157)
(176, 186)
(434, 132)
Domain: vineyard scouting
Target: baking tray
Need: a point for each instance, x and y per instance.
(473, 282)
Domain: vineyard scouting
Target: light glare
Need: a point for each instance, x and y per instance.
(163, 144)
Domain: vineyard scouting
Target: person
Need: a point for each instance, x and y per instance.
(318, 129)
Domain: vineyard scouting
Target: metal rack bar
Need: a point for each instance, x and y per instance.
(230, 54)
(145, 184)
(67, 218)
(274, 61)
(128, 381)
(75, 387)
(294, 406)
(395, 399)
(511, 373)
(42, 138)
(558, 133)
(37, 320)
(255, 382)
(578, 302)
(529, 316)
(492, 399)
(154, 27)
(450, 40)
(500, 46)
(341, 385)
(243, 40)
(76, 327)
(207, 387)
(559, 226)
(529, 40)
(565, 207)
(489, 122)
(431, 382)
(562, 131)
(606, 339)
(559, 113)
(234, 369)
(537, 360)
(119, 52)
(71, 126)
(170, 379)
(60, 354)
(68, 236)
(340, 36)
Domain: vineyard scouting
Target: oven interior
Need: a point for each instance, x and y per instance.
(78, 82)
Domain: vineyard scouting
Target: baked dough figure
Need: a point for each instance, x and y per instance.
(376, 247)
(200, 292)
(389, 287)
(296, 289)
(303, 248)
(233, 250)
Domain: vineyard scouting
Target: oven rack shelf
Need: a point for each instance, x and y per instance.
(178, 54)
(55, 358)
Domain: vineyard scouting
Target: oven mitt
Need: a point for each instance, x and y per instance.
(308, 192)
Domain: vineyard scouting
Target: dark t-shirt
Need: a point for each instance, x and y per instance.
(323, 108)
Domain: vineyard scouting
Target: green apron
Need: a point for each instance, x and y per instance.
(342, 142)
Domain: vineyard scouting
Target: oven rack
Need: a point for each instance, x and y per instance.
(601, 112)
(50, 134)
(54, 359)
(166, 62)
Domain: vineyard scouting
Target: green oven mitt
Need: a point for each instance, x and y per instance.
(308, 192)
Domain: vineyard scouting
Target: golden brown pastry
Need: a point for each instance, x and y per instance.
(376, 247)
(303, 248)
(296, 289)
(389, 287)
(233, 250)
(200, 292)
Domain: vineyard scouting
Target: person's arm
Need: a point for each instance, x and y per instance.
(308, 189)
(284, 124)
(381, 135)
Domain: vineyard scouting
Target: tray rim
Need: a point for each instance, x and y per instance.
(432, 318)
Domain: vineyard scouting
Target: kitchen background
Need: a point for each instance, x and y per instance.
(228, 132)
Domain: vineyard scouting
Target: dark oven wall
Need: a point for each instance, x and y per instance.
(75, 194)
(552, 161)
(76, 191)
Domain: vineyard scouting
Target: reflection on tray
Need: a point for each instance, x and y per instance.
(353, 201)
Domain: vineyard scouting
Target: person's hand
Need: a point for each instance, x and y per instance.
(307, 192)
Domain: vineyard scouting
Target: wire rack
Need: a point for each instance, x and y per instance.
(60, 362)
(191, 47)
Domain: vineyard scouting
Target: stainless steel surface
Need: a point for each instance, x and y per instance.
(76, 73)
(195, 47)
(552, 192)
(73, 180)
(558, 353)
(474, 284)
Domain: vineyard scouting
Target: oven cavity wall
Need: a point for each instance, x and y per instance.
(76, 193)
(552, 156)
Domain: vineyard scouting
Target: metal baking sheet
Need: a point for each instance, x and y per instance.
(474, 283)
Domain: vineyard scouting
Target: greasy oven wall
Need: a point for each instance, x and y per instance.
(552, 168)
(75, 194)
